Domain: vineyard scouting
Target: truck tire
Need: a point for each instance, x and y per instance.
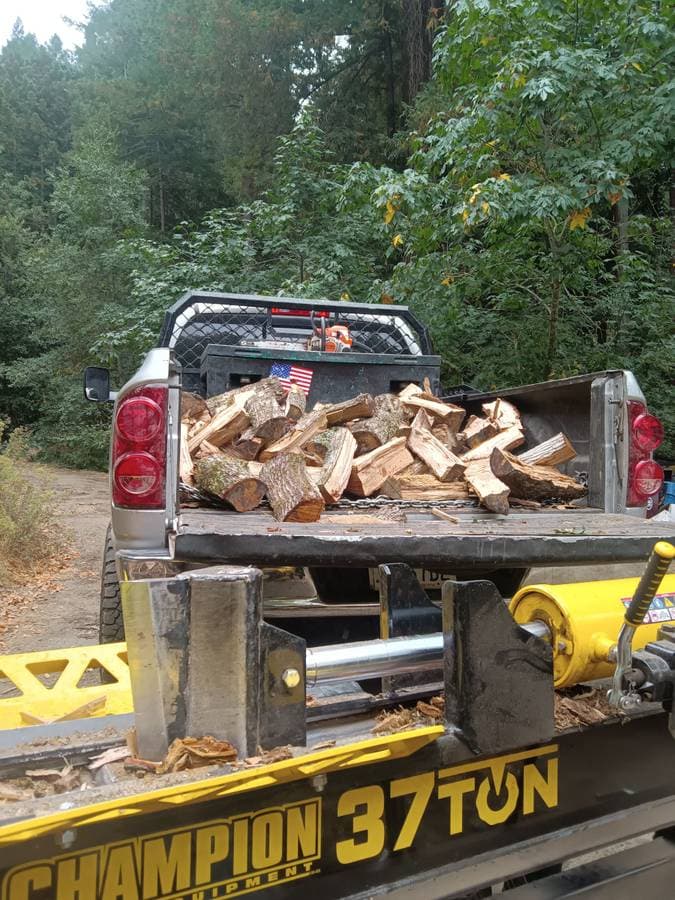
(111, 625)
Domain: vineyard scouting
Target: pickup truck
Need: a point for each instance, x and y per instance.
(321, 579)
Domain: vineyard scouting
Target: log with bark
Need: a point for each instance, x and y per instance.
(370, 471)
(304, 431)
(248, 446)
(533, 482)
(553, 452)
(361, 407)
(442, 462)
(291, 493)
(492, 493)
(229, 479)
(337, 468)
(268, 420)
(241, 394)
(296, 404)
(381, 427)
(505, 440)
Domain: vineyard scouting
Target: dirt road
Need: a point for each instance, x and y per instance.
(60, 609)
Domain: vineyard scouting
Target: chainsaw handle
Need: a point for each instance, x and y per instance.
(657, 566)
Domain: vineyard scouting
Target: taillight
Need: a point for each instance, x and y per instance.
(139, 449)
(645, 477)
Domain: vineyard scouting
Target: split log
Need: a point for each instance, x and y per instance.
(241, 394)
(443, 464)
(492, 493)
(423, 487)
(505, 440)
(477, 430)
(186, 466)
(193, 407)
(410, 390)
(422, 421)
(448, 413)
(503, 413)
(267, 418)
(337, 468)
(381, 427)
(533, 482)
(369, 472)
(230, 479)
(292, 495)
(319, 446)
(296, 404)
(361, 407)
(305, 430)
(226, 425)
(248, 446)
(553, 452)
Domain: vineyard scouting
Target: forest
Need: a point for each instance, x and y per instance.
(501, 166)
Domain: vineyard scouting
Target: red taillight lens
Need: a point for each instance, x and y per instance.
(137, 474)
(139, 419)
(648, 432)
(139, 449)
(647, 478)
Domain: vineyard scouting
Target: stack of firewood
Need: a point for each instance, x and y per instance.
(258, 441)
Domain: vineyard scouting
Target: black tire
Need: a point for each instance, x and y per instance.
(111, 624)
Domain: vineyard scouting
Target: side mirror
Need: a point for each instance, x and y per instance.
(97, 384)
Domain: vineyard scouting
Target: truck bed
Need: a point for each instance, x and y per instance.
(479, 539)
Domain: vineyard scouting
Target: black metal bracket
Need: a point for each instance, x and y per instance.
(498, 677)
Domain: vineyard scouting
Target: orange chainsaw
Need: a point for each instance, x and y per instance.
(329, 338)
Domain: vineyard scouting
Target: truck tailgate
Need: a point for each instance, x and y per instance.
(522, 539)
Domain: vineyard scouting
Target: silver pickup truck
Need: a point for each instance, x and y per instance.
(320, 578)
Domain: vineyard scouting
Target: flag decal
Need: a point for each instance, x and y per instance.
(292, 376)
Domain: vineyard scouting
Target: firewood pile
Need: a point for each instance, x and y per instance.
(259, 441)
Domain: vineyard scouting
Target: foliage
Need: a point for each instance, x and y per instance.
(27, 518)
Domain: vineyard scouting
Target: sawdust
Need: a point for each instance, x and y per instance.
(574, 709)
(402, 718)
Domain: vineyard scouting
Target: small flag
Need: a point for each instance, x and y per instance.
(290, 376)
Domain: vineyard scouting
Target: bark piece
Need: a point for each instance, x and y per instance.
(476, 430)
(186, 466)
(305, 430)
(292, 495)
(231, 480)
(503, 413)
(448, 413)
(492, 493)
(533, 482)
(423, 487)
(361, 407)
(381, 427)
(267, 418)
(369, 472)
(443, 464)
(505, 440)
(337, 468)
(553, 452)
(226, 425)
(296, 404)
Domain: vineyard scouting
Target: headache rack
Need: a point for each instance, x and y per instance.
(204, 318)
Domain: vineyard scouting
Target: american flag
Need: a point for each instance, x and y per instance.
(290, 375)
